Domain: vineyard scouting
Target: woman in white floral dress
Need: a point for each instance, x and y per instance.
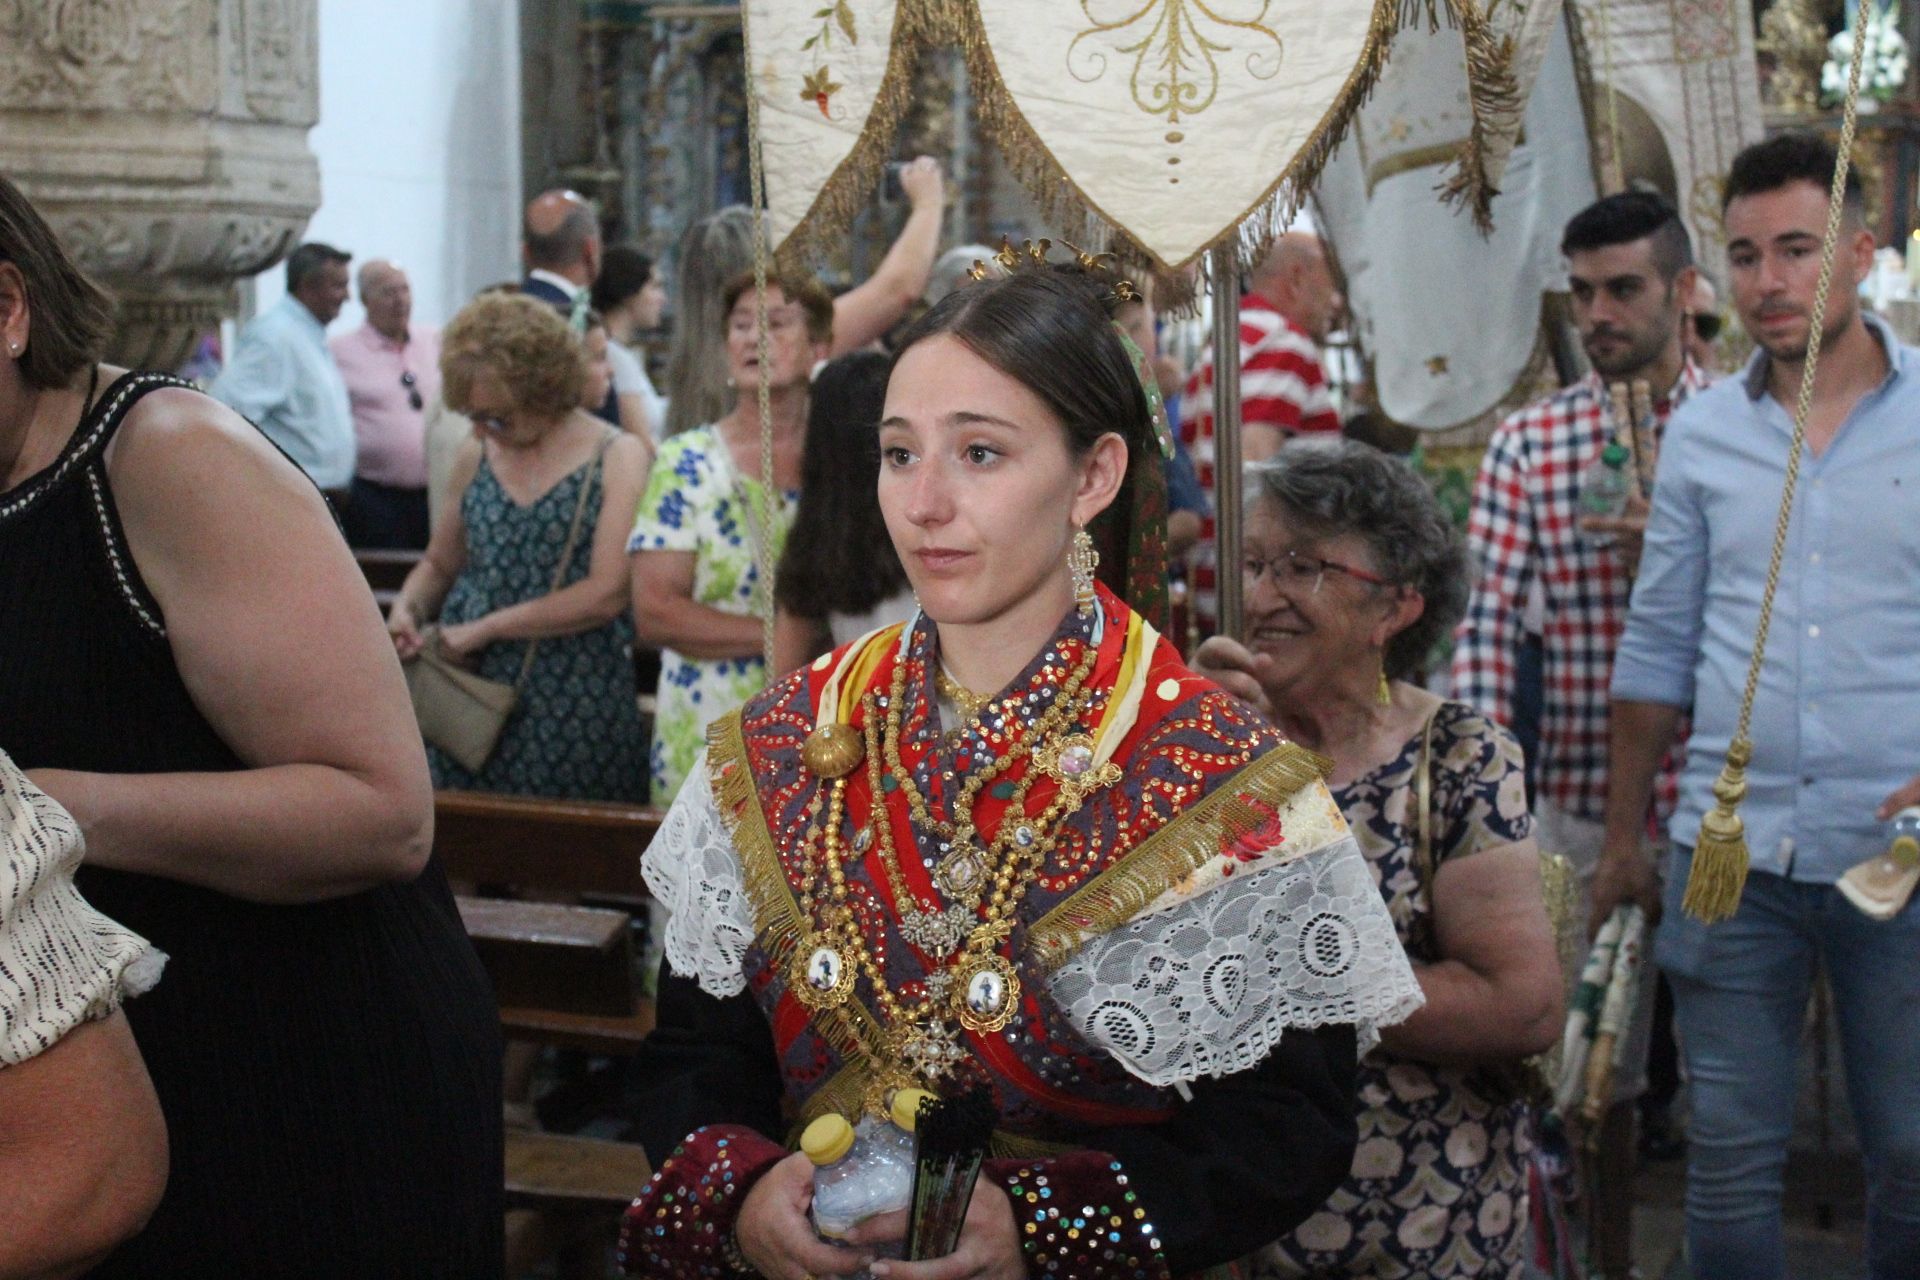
(1352, 575)
(693, 544)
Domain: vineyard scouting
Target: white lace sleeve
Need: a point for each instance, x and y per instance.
(693, 871)
(1208, 987)
(61, 962)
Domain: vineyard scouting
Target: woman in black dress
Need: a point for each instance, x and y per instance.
(191, 665)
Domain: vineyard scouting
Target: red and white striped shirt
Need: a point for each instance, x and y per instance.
(1525, 528)
(1282, 385)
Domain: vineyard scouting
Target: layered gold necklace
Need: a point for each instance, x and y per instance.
(973, 984)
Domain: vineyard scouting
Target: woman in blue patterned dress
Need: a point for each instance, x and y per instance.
(1352, 575)
(517, 370)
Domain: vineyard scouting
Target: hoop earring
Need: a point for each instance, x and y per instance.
(1082, 560)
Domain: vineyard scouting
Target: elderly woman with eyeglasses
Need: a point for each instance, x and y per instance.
(492, 570)
(1352, 574)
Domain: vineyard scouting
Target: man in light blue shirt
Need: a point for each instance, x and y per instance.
(1836, 723)
(282, 378)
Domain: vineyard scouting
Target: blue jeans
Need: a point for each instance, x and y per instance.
(1740, 991)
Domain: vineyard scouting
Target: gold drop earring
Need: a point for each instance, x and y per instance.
(1082, 560)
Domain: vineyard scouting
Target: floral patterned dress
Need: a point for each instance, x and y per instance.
(697, 501)
(577, 733)
(1439, 1181)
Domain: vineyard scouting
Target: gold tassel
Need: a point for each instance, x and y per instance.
(1383, 694)
(1720, 854)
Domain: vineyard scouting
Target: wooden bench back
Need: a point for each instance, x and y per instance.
(573, 846)
(385, 570)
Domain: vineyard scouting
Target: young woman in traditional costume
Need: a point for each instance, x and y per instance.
(1107, 890)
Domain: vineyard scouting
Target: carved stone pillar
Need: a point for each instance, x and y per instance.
(165, 141)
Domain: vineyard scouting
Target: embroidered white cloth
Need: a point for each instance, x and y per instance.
(1452, 315)
(61, 962)
(1203, 983)
(1175, 121)
(818, 68)
(1689, 99)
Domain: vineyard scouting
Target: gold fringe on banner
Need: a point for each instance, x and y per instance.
(1494, 98)
(1063, 204)
(920, 24)
(846, 191)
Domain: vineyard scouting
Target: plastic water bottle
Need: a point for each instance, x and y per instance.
(1903, 838)
(1605, 486)
(861, 1172)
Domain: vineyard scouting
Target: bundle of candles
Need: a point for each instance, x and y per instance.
(951, 1140)
(1599, 1015)
(1634, 427)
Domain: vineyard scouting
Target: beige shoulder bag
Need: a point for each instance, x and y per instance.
(463, 713)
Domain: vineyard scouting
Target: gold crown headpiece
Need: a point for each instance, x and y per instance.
(1032, 255)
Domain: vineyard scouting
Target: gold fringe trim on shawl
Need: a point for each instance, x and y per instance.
(847, 189)
(777, 923)
(1176, 850)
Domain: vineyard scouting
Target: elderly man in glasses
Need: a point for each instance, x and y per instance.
(392, 370)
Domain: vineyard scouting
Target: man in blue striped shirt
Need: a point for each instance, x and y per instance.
(1836, 723)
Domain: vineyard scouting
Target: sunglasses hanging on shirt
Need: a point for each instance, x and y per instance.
(412, 384)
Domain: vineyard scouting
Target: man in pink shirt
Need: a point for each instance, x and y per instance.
(392, 371)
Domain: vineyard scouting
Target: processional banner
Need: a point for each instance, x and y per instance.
(1688, 99)
(1448, 309)
(1177, 125)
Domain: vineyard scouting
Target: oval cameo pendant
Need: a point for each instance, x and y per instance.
(820, 975)
(986, 993)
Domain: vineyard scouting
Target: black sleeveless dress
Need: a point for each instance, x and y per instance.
(329, 1073)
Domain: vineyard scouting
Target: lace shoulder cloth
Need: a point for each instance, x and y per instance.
(1293, 934)
(61, 962)
(691, 867)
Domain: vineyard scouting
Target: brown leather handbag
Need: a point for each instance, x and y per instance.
(463, 713)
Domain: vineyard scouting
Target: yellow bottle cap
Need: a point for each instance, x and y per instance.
(827, 1139)
(1906, 851)
(905, 1107)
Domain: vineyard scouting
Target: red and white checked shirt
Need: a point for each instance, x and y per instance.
(1525, 526)
(1282, 384)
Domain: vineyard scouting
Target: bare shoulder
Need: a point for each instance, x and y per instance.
(190, 476)
(175, 434)
(627, 455)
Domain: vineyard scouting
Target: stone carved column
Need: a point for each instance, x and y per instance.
(165, 141)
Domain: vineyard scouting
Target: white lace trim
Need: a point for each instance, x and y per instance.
(62, 963)
(694, 873)
(1208, 989)
(1205, 988)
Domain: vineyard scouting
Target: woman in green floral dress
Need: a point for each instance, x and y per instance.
(695, 580)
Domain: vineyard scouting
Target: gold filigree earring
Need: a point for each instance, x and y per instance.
(1081, 563)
